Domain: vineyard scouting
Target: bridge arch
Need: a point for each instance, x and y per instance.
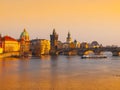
(110, 53)
(88, 52)
(107, 53)
(117, 53)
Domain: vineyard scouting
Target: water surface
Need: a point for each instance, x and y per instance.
(60, 73)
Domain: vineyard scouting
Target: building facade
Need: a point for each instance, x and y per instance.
(1, 44)
(84, 45)
(24, 42)
(69, 43)
(40, 47)
(74, 44)
(10, 44)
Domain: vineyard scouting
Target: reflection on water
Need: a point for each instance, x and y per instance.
(45, 57)
(60, 73)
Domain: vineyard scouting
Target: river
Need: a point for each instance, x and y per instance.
(60, 73)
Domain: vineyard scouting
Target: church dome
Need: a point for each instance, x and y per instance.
(94, 43)
(24, 35)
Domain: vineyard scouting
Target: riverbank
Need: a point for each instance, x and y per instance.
(11, 54)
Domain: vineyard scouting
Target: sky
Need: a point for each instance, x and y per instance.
(86, 20)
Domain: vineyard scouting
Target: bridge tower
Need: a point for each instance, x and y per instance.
(54, 40)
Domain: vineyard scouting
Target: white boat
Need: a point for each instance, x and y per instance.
(93, 56)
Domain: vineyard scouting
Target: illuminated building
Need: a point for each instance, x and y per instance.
(24, 42)
(40, 47)
(10, 44)
(84, 45)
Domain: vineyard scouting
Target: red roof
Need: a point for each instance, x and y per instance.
(8, 38)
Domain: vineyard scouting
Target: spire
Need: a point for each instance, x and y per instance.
(69, 39)
(69, 34)
(75, 41)
(54, 31)
(24, 30)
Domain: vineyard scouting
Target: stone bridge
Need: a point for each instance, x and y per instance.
(81, 51)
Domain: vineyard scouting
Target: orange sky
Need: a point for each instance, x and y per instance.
(87, 20)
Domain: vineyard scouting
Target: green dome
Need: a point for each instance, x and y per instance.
(24, 35)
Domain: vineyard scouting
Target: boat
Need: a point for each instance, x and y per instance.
(92, 56)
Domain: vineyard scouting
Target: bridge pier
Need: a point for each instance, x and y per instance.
(81, 53)
(71, 53)
(53, 52)
(115, 53)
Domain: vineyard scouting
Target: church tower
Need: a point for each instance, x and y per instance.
(69, 39)
(24, 42)
(24, 35)
(54, 40)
